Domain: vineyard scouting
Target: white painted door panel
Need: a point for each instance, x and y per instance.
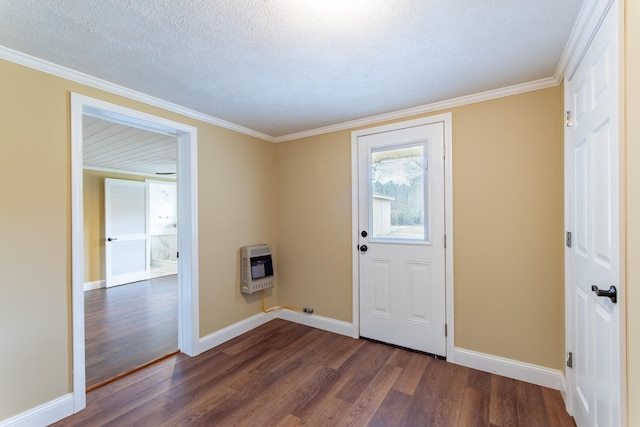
(127, 245)
(594, 256)
(401, 219)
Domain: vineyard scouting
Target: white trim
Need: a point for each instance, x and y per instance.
(77, 257)
(534, 374)
(43, 415)
(446, 119)
(126, 172)
(188, 326)
(232, 331)
(355, 258)
(448, 250)
(589, 19)
(427, 108)
(569, 331)
(97, 284)
(319, 322)
(188, 271)
(76, 76)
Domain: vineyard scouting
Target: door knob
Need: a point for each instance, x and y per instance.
(110, 239)
(363, 248)
(611, 293)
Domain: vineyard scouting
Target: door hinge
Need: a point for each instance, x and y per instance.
(446, 331)
(570, 360)
(177, 254)
(567, 119)
(444, 151)
(445, 241)
(568, 239)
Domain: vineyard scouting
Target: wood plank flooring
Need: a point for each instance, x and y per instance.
(286, 374)
(129, 325)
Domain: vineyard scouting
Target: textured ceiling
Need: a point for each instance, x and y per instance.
(285, 66)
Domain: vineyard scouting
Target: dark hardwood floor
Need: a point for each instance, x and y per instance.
(286, 374)
(129, 325)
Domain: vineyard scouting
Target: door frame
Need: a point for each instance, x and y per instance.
(446, 120)
(589, 22)
(187, 174)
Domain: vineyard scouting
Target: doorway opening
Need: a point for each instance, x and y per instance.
(187, 267)
(131, 315)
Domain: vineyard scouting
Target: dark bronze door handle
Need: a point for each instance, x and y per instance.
(611, 293)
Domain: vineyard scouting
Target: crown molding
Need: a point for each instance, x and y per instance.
(78, 77)
(427, 108)
(588, 21)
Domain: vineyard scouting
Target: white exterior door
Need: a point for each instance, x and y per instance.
(593, 219)
(127, 242)
(401, 242)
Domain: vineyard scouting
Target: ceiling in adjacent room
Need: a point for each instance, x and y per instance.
(118, 147)
(280, 67)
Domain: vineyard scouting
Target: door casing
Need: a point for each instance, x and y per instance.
(188, 305)
(446, 119)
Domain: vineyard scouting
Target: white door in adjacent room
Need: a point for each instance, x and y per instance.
(127, 231)
(402, 232)
(594, 254)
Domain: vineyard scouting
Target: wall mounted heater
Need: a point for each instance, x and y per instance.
(257, 269)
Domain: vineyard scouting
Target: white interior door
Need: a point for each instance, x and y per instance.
(127, 243)
(401, 243)
(594, 256)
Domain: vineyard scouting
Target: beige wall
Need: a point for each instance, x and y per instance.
(508, 226)
(35, 224)
(632, 118)
(236, 179)
(93, 199)
(314, 224)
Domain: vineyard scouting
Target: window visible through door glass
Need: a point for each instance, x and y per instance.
(398, 180)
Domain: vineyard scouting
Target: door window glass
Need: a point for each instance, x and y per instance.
(398, 189)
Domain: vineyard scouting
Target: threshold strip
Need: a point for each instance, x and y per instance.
(131, 371)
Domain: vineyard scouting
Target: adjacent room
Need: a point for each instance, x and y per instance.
(130, 214)
(448, 191)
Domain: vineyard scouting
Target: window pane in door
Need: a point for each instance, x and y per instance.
(397, 205)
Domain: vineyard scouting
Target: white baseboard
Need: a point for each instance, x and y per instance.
(239, 328)
(89, 286)
(232, 331)
(510, 368)
(43, 415)
(318, 322)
